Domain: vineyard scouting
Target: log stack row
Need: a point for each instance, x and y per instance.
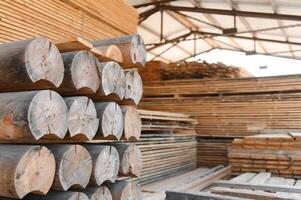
(59, 101)
(276, 153)
(167, 143)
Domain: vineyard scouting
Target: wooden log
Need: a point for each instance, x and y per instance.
(133, 86)
(112, 81)
(81, 73)
(130, 159)
(82, 117)
(30, 64)
(111, 52)
(105, 160)
(73, 44)
(57, 195)
(131, 123)
(98, 193)
(25, 169)
(122, 190)
(32, 115)
(73, 166)
(110, 120)
(131, 46)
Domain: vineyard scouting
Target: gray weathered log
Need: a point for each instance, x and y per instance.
(130, 159)
(123, 190)
(73, 166)
(105, 163)
(98, 193)
(110, 120)
(81, 73)
(82, 117)
(32, 115)
(131, 46)
(131, 123)
(58, 195)
(25, 169)
(30, 64)
(133, 86)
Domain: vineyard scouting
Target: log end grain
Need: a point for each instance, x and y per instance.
(112, 79)
(112, 52)
(43, 61)
(57, 195)
(124, 190)
(107, 165)
(98, 193)
(84, 71)
(111, 120)
(140, 53)
(134, 86)
(35, 171)
(82, 117)
(48, 115)
(132, 123)
(75, 167)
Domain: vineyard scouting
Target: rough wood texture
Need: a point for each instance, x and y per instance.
(82, 117)
(30, 64)
(32, 115)
(131, 123)
(73, 166)
(25, 169)
(133, 86)
(123, 190)
(131, 46)
(57, 195)
(81, 73)
(112, 80)
(73, 44)
(110, 120)
(98, 193)
(112, 52)
(105, 160)
(130, 159)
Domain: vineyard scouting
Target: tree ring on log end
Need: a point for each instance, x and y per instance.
(132, 123)
(134, 86)
(35, 171)
(75, 167)
(84, 71)
(131, 191)
(102, 193)
(48, 115)
(82, 118)
(44, 61)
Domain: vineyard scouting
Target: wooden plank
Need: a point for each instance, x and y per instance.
(198, 196)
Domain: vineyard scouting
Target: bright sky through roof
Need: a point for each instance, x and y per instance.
(253, 63)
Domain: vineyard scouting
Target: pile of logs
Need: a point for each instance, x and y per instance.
(90, 19)
(62, 115)
(167, 143)
(278, 153)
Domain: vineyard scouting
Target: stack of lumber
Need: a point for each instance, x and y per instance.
(191, 181)
(202, 70)
(277, 153)
(246, 186)
(90, 19)
(62, 115)
(232, 107)
(167, 144)
(158, 70)
(212, 151)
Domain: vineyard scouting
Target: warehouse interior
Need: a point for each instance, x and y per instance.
(150, 100)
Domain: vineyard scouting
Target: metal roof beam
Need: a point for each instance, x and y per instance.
(146, 14)
(233, 12)
(152, 3)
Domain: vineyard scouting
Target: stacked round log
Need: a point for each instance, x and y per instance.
(105, 161)
(132, 124)
(25, 169)
(110, 51)
(82, 117)
(32, 115)
(30, 64)
(98, 193)
(133, 86)
(57, 195)
(81, 73)
(110, 120)
(131, 46)
(123, 190)
(73, 166)
(130, 159)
